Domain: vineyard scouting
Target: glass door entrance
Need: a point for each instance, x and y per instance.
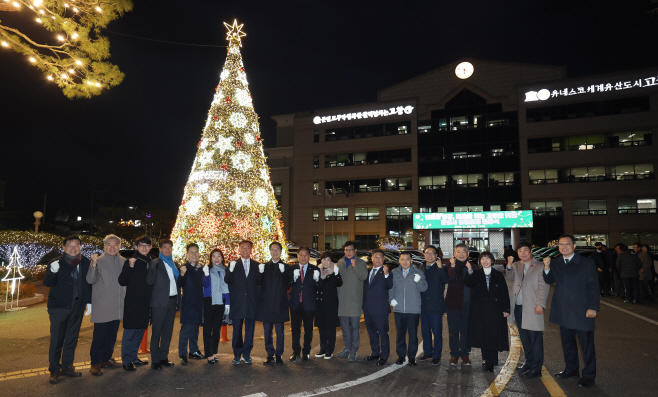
(475, 240)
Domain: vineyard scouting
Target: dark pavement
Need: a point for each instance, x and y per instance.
(627, 365)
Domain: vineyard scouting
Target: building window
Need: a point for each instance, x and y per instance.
(367, 131)
(366, 241)
(589, 142)
(469, 208)
(365, 158)
(636, 206)
(334, 241)
(469, 180)
(315, 215)
(589, 207)
(424, 126)
(398, 212)
(494, 207)
(539, 177)
(315, 241)
(316, 161)
(501, 179)
(589, 239)
(425, 210)
(336, 214)
(316, 138)
(546, 208)
(316, 189)
(366, 213)
(513, 207)
(592, 174)
(588, 109)
(277, 192)
(630, 238)
(432, 182)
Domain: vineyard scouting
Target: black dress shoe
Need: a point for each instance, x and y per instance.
(584, 382)
(183, 361)
(130, 367)
(156, 366)
(400, 361)
(436, 361)
(304, 357)
(523, 368)
(166, 363)
(196, 355)
(140, 362)
(566, 374)
(531, 374)
(412, 362)
(270, 360)
(381, 361)
(279, 360)
(424, 357)
(371, 358)
(489, 368)
(54, 378)
(294, 358)
(70, 371)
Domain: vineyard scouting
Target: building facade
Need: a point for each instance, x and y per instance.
(473, 137)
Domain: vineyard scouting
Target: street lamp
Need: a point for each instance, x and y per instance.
(38, 215)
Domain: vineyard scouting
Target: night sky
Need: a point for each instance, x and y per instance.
(135, 144)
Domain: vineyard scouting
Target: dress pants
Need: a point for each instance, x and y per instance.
(532, 341)
(327, 340)
(162, 330)
(269, 339)
(189, 333)
(130, 342)
(458, 331)
(570, 350)
(490, 357)
(377, 326)
(432, 325)
(212, 323)
(242, 347)
(64, 330)
(102, 343)
(631, 290)
(406, 323)
(351, 332)
(296, 318)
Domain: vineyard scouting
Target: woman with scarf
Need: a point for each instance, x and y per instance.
(490, 305)
(326, 316)
(215, 302)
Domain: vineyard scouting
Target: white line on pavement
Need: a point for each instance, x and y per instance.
(631, 313)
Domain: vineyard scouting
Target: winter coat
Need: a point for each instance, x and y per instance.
(326, 314)
(273, 300)
(243, 290)
(432, 298)
(629, 265)
(191, 285)
(406, 291)
(350, 294)
(456, 288)
(487, 327)
(137, 303)
(63, 284)
(647, 264)
(307, 289)
(107, 294)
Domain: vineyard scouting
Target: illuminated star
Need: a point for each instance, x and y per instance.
(206, 158)
(224, 144)
(266, 223)
(240, 198)
(234, 32)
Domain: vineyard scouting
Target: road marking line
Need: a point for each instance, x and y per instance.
(260, 394)
(509, 368)
(551, 384)
(631, 313)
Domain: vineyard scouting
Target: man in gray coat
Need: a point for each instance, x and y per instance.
(528, 300)
(107, 302)
(408, 283)
(165, 302)
(354, 271)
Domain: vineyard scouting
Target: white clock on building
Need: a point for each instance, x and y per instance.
(464, 70)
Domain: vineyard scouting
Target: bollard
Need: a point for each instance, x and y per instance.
(143, 347)
(224, 336)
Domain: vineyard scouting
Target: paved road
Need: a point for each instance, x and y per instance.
(627, 353)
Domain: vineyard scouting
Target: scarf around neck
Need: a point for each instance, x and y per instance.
(169, 260)
(72, 260)
(327, 271)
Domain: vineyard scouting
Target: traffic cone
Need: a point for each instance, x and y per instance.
(143, 347)
(224, 335)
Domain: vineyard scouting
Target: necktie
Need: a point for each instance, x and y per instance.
(301, 274)
(566, 261)
(76, 281)
(246, 269)
(404, 273)
(372, 275)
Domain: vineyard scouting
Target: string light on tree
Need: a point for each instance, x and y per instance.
(239, 201)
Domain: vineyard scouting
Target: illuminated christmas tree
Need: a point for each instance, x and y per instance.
(229, 196)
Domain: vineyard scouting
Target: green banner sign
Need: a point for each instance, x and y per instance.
(473, 220)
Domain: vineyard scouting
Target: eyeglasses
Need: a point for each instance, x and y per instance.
(144, 245)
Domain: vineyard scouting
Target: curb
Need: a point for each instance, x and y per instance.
(37, 298)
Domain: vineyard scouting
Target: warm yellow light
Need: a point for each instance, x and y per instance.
(89, 82)
(16, 5)
(39, 20)
(75, 35)
(78, 62)
(50, 77)
(4, 44)
(53, 17)
(71, 71)
(37, 3)
(66, 5)
(98, 84)
(61, 38)
(42, 12)
(64, 76)
(75, 9)
(32, 59)
(98, 9)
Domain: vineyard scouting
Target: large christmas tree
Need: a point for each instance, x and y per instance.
(229, 196)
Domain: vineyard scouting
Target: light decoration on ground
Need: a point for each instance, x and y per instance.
(239, 202)
(13, 280)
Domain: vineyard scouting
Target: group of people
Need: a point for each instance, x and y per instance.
(477, 302)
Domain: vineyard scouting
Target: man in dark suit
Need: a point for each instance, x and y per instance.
(68, 296)
(433, 306)
(305, 279)
(574, 306)
(376, 309)
(163, 274)
(242, 278)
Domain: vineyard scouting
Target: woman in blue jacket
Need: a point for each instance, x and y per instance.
(215, 303)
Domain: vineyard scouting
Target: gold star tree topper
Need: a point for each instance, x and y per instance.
(234, 32)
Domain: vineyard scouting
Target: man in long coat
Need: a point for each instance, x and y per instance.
(354, 271)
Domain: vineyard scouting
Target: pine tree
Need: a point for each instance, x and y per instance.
(229, 196)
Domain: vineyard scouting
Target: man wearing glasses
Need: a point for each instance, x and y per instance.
(354, 271)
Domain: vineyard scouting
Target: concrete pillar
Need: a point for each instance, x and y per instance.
(516, 238)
